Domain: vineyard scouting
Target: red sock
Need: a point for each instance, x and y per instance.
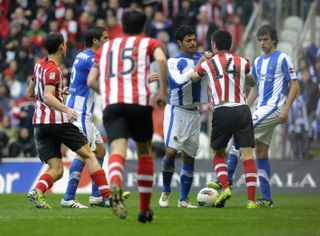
(221, 169)
(45, 182)
(99, 178)
(145, 181)
(116, 164)
(250, 175)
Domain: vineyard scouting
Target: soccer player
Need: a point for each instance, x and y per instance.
(182, 118)
(52, 120)
(276, 87)
(227, 75)
(82, 99)
(122, 66)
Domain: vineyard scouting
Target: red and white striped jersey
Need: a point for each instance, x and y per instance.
(226, 73)
(47, 72)
(124, 67)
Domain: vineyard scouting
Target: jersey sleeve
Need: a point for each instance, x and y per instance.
(288, 68)
(201, 69)
(52, 76)
(153, 45)
(176, 70)
(97, 57)
(247, 66)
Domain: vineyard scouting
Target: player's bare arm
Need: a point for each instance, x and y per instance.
(161, 59)
(293, 93)
(250, 80)
(93, 78)
(253, 94)
(52, 101)
(30, 89)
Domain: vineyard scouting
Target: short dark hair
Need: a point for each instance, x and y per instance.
(223, 39)
(52, 42)
(133, 21)
(268, 29)
(95, 32)
(183, 31)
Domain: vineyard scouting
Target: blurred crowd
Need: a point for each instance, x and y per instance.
(24, 25)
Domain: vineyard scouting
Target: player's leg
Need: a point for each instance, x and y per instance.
(233, 158)
(170, 130)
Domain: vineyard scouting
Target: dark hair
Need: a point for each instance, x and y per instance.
(223, 39)
(268, 30)
(183, 31)
(93, 33)
(52, 42)
(133, 21)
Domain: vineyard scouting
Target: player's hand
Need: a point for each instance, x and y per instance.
(153, 77)
(65, 91)
(72, 115)
(283, 116)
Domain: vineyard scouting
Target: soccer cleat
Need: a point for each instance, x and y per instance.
(99, 202)
(264, 203)
(186, 204)
(223, 196)
(72, 204)
(217, 185)
(117, 205)
(38, 199)
(164, 199)
(144, 217)
(252, 205)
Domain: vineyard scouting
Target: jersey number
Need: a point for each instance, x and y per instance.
(127, 59)
(228, 68)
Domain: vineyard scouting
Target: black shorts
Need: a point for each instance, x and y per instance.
(228, 121)
(128, 120)
(49, 138)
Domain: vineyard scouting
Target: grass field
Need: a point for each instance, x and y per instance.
(293, 214)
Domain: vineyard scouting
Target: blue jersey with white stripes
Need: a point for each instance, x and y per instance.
(188, 93)
(272, 74)
(81, 97)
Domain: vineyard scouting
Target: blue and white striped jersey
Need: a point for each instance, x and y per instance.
(187, 93)
(272, 75)
(81, 97)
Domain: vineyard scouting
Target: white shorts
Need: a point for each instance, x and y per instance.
(181, 129)
(90, 131)
(264, 121)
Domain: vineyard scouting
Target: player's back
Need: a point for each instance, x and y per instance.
(188, 93)
(47, 72)
(81, 97)
(272, 74)
(124, 67)
(226, 73)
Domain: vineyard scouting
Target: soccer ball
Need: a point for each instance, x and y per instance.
(207, 196)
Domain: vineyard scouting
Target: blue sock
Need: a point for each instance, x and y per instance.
(95, 192)
(263, 165)
(232, 163)
(74, 178)
(186, 178)
(167, 173)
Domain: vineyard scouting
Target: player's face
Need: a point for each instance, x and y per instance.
(266, 44)
(64, 49)
(104, 38)
(189, 44)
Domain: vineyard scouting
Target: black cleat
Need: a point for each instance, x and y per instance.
(144, 217)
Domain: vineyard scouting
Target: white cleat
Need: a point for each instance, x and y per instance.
(72, 204)
(96, 201)
(186, 204)
(164, 200)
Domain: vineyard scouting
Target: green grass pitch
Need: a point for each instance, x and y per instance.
(293, 214)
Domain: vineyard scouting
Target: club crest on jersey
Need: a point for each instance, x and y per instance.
(172, 65)
(52, 75)
(291, 70)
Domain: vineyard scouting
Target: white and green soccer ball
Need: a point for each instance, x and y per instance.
(207, 196)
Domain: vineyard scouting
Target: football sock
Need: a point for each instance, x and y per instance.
(99, 178)
(44, 183)
(232, 163)
(167, 173)
(74, 178)
(250, 175)
(263, 165)
(221, 169)
(186, 178)
(145, 181)
(116, 165)
(94, 189)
